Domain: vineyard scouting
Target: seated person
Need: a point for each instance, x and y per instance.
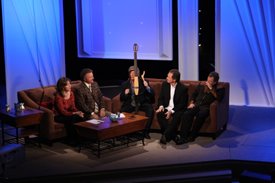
(199, 108)
(171, 103)
(142, 101)
(65, 110)
(89, 98)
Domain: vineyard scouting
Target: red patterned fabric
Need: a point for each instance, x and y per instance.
(65, 107)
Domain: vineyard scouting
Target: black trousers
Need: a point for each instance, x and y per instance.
(69, 122)
(169, 129)
(149, 112)
(200, 114)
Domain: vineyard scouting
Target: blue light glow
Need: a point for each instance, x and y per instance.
(109, 28)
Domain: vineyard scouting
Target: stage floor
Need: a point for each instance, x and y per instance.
(250, 136)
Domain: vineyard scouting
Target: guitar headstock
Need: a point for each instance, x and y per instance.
(135, 47)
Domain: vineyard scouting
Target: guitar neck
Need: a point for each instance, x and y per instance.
(135, 62)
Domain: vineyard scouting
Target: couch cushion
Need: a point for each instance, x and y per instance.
(37, 94)
(48, 104)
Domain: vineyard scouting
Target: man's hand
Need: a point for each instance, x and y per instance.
(102, 112)
(168, 114)
(191, 106)
(160, 109)
(208, 85)
(127, 91)
(145, 83)
(94, 116)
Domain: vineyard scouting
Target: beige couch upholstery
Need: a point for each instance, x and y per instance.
(49, 129)
(213, 125)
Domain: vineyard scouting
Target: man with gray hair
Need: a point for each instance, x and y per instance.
(88, 97)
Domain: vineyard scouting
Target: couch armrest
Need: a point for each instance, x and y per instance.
(23, 97)
(47, 123)
(219, 112)
(108, 103)
(116, 104)
(213, 115)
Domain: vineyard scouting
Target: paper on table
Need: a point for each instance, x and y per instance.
(94, 121)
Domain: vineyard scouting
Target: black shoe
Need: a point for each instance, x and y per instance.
(182, 140)
(191, 139)
(163, 139)
(176, 139)
(147, 136)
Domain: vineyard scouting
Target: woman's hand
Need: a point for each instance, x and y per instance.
(79, 113)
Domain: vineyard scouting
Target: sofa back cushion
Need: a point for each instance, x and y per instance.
(37, 94)
(190, 84)
(45, 96)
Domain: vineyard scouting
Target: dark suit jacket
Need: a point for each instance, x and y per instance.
(203, 97)
(180, 96)
(144, 96)
(85, 100)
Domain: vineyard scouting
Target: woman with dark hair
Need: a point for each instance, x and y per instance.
(65, 110)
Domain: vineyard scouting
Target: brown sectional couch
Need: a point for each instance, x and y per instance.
(214, 124)
(50, 130)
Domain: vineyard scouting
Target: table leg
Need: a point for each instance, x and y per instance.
(39, 138)
(17, 138)
(143, 141)
(98, 149)
(3, 131)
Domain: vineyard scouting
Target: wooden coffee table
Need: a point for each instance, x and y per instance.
(21, 121)
(111, 129)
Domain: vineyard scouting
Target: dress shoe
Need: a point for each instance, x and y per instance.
(182, 140)
(147, 136)
(176, 139)
(191, 139)
(163, 139)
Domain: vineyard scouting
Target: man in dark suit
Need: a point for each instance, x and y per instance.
(142, 101)
(89, 98)
(171, 103)
(199, 108)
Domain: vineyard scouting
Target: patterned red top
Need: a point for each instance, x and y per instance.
(65, 107)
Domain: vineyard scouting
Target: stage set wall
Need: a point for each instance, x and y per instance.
(34, 46)
(245, 52)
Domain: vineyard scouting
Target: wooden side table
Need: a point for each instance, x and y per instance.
(20, 121)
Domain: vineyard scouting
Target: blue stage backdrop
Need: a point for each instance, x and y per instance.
(33, 43)
(109, 28)
(245, 50)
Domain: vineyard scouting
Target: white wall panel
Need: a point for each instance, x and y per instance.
(33, 44)
(245, 50)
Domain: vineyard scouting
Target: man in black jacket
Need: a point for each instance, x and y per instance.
(142, 101)
(199, 108)
(171, 103)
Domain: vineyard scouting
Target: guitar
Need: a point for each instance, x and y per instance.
(136, 85)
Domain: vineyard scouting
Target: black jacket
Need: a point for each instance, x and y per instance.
(203, 97)
(144, 96)
(180, 96)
